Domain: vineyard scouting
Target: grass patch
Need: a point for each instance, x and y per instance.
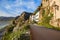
(49, 26)
(11, 36)
(19, 34)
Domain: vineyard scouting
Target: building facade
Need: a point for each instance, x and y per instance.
(54, 7)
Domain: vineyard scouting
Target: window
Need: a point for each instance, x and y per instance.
(57, 7)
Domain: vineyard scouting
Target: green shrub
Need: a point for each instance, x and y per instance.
(24, 37)
(49, 26)
(10, 28)
(16, 35)
(27, 27)
(56, 28)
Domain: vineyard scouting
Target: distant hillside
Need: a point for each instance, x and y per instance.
(6, 18)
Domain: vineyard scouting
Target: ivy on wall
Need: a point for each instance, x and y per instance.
(46, 17)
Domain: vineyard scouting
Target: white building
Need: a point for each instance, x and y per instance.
(36, 16)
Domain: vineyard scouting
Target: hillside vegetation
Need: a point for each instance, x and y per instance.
(19, 28)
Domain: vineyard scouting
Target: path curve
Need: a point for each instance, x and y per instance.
(41, 33)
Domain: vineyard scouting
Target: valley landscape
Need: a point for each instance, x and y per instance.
(30, 20)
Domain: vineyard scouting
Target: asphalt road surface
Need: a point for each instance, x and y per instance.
(42, 33)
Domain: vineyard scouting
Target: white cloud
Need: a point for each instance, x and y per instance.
(31, 5)
(7, 6)
(18, 7)
(18, 3)
(19, 10)
(5, 14)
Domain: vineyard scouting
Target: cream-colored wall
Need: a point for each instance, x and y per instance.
(55, 12)
(44, 3)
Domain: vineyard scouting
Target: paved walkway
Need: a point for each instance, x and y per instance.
(41, 33)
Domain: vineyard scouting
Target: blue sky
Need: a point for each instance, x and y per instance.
(16, 7)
